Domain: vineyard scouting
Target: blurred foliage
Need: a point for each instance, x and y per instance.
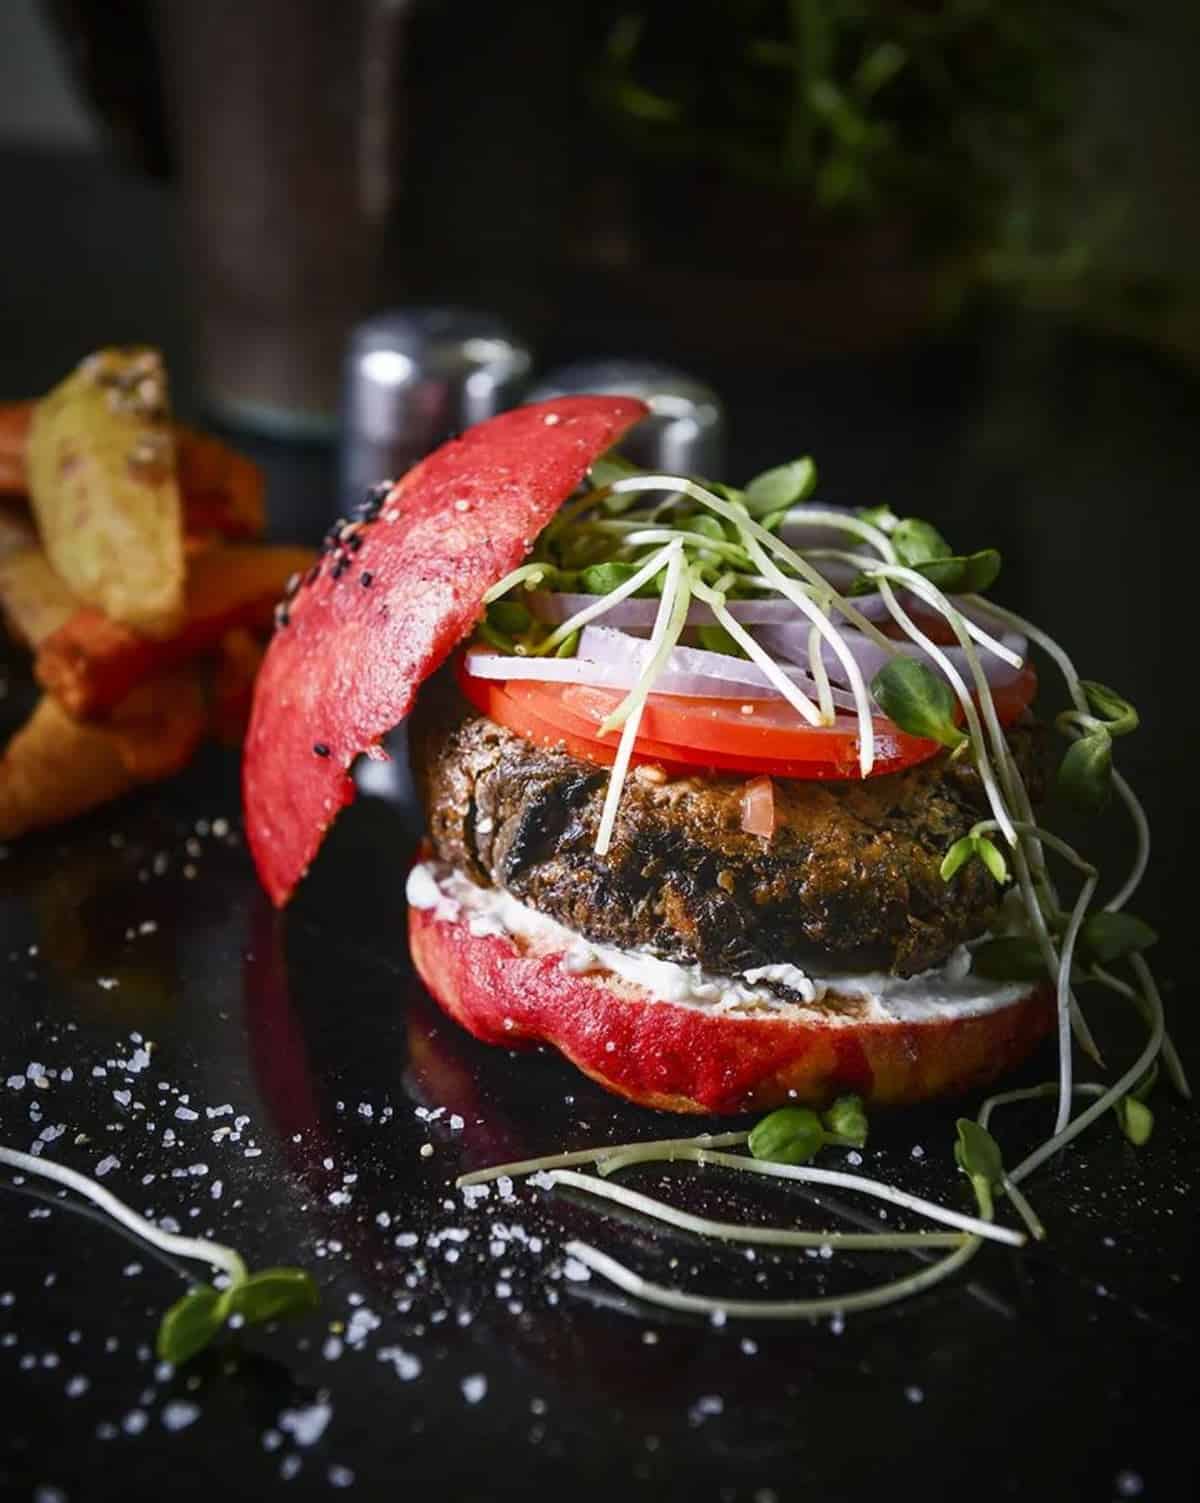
(951, 115)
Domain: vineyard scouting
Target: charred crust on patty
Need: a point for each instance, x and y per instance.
(849, 879)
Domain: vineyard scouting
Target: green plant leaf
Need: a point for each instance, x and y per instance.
(1009, 958)
(791, 1135)
(1105, 937)
(273, 1292)
(781, 487)
(961, 574)
(957, 857)
(917, 699)
(568, 647)
(1136, 1119)
(882, 517)
(610, 468)
(977, 1153)
(509, 617)
(602, 579)
(848, 1119)
(1106, 704)
(717, 639)
(190, 1324)
(918, 542)
(992, 857)
(1085, 773)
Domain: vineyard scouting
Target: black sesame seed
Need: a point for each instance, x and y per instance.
(281, 615)
(320, 748)
(355, 542)
(365, 579)
(340, 566)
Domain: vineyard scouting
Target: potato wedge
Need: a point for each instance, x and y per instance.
(102, 481)
(55, 768)
(238, 662)
(15, 532)
(222, 491)
(91, 663)
(34, 602)
(15, 418)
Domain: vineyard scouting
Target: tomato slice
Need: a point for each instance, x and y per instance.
(739, 735)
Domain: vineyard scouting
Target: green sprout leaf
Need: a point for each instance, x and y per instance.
(957, 857)
(992, 857)
(882, 517)
(1106, 704)
(717, 639)
(969, 574)
(190, 1324)
(509, 617)
(846, 1118)
(1105, 937)
(918, 542)
(1135, 1118)
(1009, 958)
(602, 579)
(1085, 773)
(569, 646)
(610, 468)
(272, 1293)
(977, 1153)
(781, 487)
(791, 1135)
(918, 700)
(970, 846)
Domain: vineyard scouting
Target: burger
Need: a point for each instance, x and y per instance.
(716, 780)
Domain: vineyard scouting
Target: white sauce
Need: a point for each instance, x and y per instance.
(950, 991)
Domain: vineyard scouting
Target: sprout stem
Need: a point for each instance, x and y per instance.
(213, 1253)
(519, 1167)
(759, 1236)
(651, 1153)
(763, 1309)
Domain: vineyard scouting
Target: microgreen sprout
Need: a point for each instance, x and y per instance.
(197, 1317)
(918, 700)
(777, 489)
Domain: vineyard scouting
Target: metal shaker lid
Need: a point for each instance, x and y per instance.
(413, 377)
(685, 432)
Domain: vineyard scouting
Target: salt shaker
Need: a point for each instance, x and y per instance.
(413, 377)
(685, 431)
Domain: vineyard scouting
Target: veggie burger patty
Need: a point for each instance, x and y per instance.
(848, 880)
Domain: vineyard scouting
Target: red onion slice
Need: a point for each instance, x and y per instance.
(638, 614)
(610, 659)
(791, 643)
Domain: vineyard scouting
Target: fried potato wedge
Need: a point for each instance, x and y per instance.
(102, 481)
(15, 532)
(90, 663)
(238, 662)
(221, 490)
(34, 602)
(15, 418)
(55, 768)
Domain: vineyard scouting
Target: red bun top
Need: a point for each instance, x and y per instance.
(389, 602)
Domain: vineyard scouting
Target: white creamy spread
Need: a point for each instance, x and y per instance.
(950, 991)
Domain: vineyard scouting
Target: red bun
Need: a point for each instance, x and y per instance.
(681, 1059)
(390, 600)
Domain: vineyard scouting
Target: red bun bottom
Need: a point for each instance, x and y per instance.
(682, 1059)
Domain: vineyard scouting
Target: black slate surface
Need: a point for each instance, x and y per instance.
(452, 1356)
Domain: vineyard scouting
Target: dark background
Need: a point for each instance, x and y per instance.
(1062, 431)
